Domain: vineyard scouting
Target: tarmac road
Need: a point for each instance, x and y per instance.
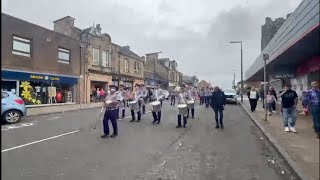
(65, 146)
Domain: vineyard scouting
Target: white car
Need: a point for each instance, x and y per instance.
(231, 96)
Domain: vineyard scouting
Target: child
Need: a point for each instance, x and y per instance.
(270, 100)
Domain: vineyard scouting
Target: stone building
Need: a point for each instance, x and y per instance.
(129, 67)
(175, 77)
(98, 67)
(40, 65)
(269, 29)
(156, 70)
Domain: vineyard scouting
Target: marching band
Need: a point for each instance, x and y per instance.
(116, 102)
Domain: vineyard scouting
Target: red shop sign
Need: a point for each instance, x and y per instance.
(310, 66)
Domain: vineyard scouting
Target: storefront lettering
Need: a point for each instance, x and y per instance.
(39, 77)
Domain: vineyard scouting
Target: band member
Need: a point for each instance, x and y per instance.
(144, 96)
(122, 97)
(112, 104)
(158, 95)
(182, 99)
(191, 96)
(136, 96)
(173, 94)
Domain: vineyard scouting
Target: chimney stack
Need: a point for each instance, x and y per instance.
(98, 28)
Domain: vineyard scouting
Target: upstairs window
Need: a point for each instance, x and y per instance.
(96, 58)
(63, 56)
(126, 65)
(21, 46)
(104, 58)
(137, 67)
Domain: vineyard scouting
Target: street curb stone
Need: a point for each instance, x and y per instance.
(280, 149)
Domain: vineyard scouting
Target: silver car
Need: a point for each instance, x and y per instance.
(12, 107)
(231, 96)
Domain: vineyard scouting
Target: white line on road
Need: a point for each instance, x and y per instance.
(28, 144)
(17, 126)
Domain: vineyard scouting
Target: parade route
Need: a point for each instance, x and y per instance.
(65, 146)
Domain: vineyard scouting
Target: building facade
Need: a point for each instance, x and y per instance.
(175, 77)
(130, 67)
(98, 66)
(294, 51)
(40, 65)
(156, 71)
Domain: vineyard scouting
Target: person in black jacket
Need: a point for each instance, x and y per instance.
(273, 92)
(218, 100)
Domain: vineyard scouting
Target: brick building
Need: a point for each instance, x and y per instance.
(40, 65)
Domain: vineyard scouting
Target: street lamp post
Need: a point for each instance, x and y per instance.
(241, 92)
(265, 58)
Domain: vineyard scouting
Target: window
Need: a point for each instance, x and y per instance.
(96, 58)
(63, 56)
(21, 46)
(126, 65)
(137, 67)
(106, 59)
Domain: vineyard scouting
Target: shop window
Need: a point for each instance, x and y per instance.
(126, 65)
(96, 58)
(9, 86)
(36, 93)
(21, 46)
(63, 55)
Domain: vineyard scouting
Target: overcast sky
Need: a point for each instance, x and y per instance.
(194, 33)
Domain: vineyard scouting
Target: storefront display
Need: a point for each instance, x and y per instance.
(37, 89)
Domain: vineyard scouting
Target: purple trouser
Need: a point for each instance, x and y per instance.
(110, 114)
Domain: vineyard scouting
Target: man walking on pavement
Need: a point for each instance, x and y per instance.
(289, 103)
(218, 101)
(313, 98)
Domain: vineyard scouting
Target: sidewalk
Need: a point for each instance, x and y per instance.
(300, 149)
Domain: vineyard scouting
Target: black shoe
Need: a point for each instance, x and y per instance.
(217, 126)
(114, 135)
(132, 120)
(178, 126)
(222, 127)
(105, 136)
(154, 122)
(138, 120)
(184, 126)
(158, 122)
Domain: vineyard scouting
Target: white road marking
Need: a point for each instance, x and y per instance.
(53, 118)
(16, 126)
(35, 142)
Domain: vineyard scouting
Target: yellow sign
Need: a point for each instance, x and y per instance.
(41, 77)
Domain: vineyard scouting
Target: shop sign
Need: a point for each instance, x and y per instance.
(282, 72)
(124, 79)
(283, 76)
(43, 77)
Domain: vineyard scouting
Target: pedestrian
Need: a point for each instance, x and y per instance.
(158, 95)
(111, 104)
(98, 95)
(304, 102)
(122, 96)
(270, 98)
(289, 100)
(261, 95)
(218, 101)
(102, 93)
(273, 92)
(182, 100)
(313, 97)
(253, 98)
(201, 94)
(173, 97)
(191, 96)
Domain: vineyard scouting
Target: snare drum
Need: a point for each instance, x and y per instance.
(190, 104)
(182, 109)
(156, 106)
(133, 105)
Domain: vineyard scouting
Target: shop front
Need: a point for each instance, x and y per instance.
(126, 81)
(138, 81)
(95, 84)
(38, 88)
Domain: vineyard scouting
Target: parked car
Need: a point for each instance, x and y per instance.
(231, 96)
(12, 107)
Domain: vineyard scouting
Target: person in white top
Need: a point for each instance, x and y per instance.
(158, 95)
(253, 96)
